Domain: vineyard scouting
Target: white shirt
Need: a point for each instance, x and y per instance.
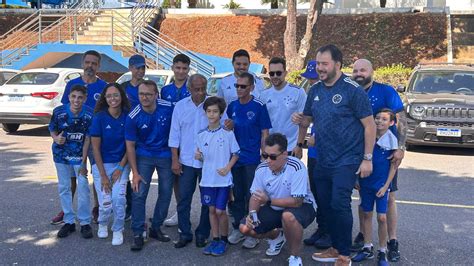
(228, 91)
(217, 147)
(187, 121)
(281, 104)
(292, 181)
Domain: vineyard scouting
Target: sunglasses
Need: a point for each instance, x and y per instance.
(275, 73)
(272, 157)
(240, 86)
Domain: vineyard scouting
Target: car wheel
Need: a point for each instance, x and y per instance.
(10, 128)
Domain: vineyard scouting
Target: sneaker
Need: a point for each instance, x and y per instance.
(235, 237)
(95, 215)
(363, 254)
(358, 242)
(117, 238)
(172, 221)
(276, 244)
(313, 238)
(208, 250)
(86, 231)
(324, 242)
(66, 229)
(58, 219)
(382, 259)
(295, 261)
(250, 242)
(137, 243)
(219, 249)
(343, 261)
(329, 255)
(393, 252)
(103, 231)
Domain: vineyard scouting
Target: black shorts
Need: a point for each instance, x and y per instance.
(271, 219)
(394, 184)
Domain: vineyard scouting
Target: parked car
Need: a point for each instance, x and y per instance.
(30, 96)
(439, 104)
(6, 74)
(160, 76)
(214, 81)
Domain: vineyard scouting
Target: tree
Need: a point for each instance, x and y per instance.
(295, 57)
(273, 3)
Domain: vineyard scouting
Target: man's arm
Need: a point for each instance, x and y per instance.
(402, 126)
(132, 160)
(265, 133)
(365, 168)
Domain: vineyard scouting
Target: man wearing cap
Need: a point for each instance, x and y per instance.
(137, 66)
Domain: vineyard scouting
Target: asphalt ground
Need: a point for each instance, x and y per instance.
(436, 214)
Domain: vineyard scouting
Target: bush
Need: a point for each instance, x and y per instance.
(167, 4)
(294, 76)
(232, 5)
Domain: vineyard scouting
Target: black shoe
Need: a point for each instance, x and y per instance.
(158, 235)
(201, 242)
(182, 243)
(86, 231)
(324, 242)
(393, 252)
(66, 230)
(382, 259)
(313, 238)
(358, 242)
(137, 243)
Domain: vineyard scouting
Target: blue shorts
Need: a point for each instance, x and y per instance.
(368, 198)
(215, 196)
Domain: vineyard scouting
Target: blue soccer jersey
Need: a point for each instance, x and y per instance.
(249, 121)
(112, 133)
(381, 168)
(132, 94)
(93, 91)
(150, 131)
(173, 94)
(383, 96)
(336, 113)
(74, 129)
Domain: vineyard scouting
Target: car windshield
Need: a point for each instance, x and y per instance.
(34, 78)
(4, 76)
(160, 80)
(456, 82)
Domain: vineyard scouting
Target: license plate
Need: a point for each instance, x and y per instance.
(16, 98)
(448, 132)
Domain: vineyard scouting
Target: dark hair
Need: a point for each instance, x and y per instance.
(214, 100)
(102, 104)
(92, 52)
(148, 82)
(79, 88)
(278, 60)
(248, 76)
(388, 111)
(240, 53)
(336, 54)
(277, 138)
(182, 58)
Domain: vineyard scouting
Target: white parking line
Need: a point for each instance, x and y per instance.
(430, 204)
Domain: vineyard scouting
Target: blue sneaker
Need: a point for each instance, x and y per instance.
(382, 259)
(208, 250)
(219, 249)
(363, 254)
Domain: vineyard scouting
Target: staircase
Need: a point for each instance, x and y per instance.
(463, 38)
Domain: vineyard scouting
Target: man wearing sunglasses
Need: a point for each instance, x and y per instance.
(281, 198)
(282, 100)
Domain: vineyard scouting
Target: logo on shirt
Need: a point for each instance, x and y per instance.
(233, 114)
(65, 124)
(97, 96)
(336, 98)
(229, 88)
(108, 127)
(144, 126)
(169, 97)
(250, 115)
(206, 144)
(269, 101)
(207, 199)
(268, 184)
(75, 136)
(316, 98)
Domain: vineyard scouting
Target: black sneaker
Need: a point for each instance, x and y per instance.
(137, 243)
(158, 235)
(382, 259)
(393, 252)
(86, 231)
(324, 242)
(201, 241)
(313, 238)
(358, 242)
(66, 229)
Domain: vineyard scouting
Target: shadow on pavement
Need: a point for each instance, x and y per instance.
(40, 131)
(443, 150)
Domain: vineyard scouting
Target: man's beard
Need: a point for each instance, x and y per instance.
(364, 81)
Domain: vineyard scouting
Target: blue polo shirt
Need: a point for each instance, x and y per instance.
(173, 94)
(384, 96)
(249, 121)
(150, 131)
(112, 133)
(336, 113)
(93, 91)
(74, 128)
(381, 168)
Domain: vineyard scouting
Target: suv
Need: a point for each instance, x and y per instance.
(439, 104)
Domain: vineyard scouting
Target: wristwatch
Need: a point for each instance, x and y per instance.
(402, 147)
(300, 145)
(368, 157)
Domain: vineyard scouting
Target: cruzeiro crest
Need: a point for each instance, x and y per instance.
(250, 115)
(336, 98)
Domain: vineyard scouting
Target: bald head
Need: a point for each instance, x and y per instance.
(362, 73)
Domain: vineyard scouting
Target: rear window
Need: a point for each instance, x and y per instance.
(34, 78)
(160, 80)
(443, 82)
(4, 76)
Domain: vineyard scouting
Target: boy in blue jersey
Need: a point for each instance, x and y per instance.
(137, 66)
(146, 133)
(68, 128)
(375, 188)
(251, 127)
(218, 149)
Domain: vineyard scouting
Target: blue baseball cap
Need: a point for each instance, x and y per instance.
(310, 72)
(137, 61)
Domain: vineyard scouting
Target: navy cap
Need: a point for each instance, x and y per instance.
(137, 61)
(310, 72)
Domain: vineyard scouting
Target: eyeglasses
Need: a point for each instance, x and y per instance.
(112, 95)
(275, 73)
(241, 86)
(147, 95)
(272, 157)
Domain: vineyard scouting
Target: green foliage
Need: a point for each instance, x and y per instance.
(294, 76)
(12, 6)
(167, 4)
(232, 5)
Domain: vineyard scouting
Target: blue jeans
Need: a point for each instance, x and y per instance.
(117, 206)
(242, 177)
(187, 186)
(146, 166)
(334, 189)
(65, 195)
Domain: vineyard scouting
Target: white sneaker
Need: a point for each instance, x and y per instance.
(250, 242)
(235, 237)
(295, 261)
(103, 232)
(117, 238)
(172, 221)
(275, 245)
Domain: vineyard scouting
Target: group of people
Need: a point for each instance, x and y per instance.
(244, 147)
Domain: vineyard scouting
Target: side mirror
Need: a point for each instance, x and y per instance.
(401, 88)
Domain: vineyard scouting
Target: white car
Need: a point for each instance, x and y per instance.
(214, 82)
(160, 76)
(6, 74)
(30, 96)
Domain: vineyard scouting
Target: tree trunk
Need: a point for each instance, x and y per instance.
(4, 2)
(383, 3)
(274, 4)
(289, 38)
